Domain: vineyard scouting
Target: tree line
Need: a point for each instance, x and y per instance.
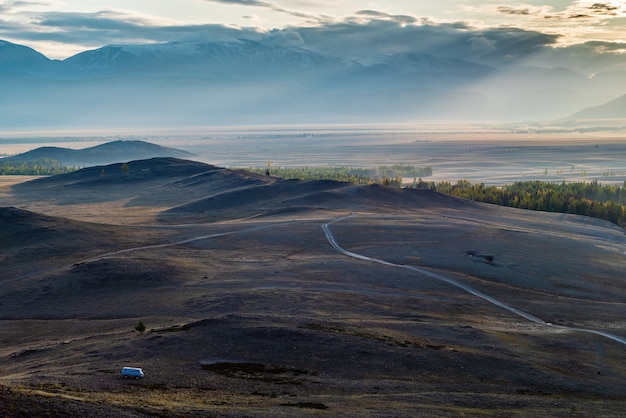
(590, 199)
(42, 167)
(390, 175)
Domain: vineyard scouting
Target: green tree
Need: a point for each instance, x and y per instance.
(140, 326)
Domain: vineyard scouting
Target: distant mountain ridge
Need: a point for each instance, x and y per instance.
(200, 83)
(20, 59)
(108, 153)
(243, 81)
(615, 109)
(200, 58)
(212, 59)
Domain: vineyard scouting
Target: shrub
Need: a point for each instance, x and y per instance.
(140, 326)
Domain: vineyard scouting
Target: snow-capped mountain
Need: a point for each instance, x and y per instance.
(249, 82)
(202, 59)
(244, 57)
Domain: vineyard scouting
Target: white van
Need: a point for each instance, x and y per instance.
(135, 372)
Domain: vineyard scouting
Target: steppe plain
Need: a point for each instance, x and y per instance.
(251, 311)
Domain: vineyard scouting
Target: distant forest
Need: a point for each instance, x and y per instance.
(589, 199)
(390, 175)
(43, 167)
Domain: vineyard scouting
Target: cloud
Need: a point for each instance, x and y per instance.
(14, 5)
(575, 22)
(402, 19)
(479, 44)
(273, 7)
(519, 11)
(355, 39)
(578, 9)
(89, 30)
(360, 36)
(604, 8)
(284, 38)
(586, 58)
(99, 21)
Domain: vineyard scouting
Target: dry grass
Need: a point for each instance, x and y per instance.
(263, 318)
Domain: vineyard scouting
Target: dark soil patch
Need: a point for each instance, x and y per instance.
(270, 373)
(306, 405)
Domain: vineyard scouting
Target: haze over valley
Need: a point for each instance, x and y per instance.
(298, 76)
(287, 208)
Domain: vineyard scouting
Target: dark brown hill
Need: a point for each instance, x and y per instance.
(141, 171)
(20, 228)
(156, 184)
(48, 259)
(26, 237)
(262, 197)
(282, 196)
(204, 192)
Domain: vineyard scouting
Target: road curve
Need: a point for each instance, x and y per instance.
(333, 242)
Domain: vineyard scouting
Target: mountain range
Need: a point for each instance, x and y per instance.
(248, 82)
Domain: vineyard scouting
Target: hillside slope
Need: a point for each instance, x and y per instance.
(251, 310)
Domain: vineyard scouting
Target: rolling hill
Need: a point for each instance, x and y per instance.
(251, 309)
(110, 152)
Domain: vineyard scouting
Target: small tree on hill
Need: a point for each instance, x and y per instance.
(140, 326)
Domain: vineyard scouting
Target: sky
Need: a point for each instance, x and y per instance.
(486, 31)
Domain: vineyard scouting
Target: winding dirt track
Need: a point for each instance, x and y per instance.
(333, 242)
(425, 272)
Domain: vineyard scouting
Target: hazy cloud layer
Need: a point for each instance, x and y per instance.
(363, 35)
(576, 10)
(272, 6)
(113, 27)
(363, 40)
